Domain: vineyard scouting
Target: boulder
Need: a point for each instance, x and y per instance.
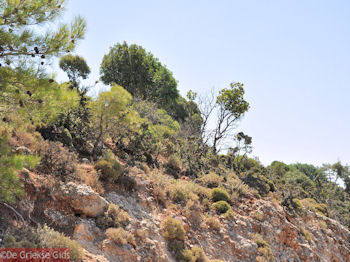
(82, 199)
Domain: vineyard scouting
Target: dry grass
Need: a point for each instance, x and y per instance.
(87, 174)
(120, 236)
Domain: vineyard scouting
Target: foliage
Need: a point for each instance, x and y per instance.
(221, 206)
(116, 217)
(312, 205)
(140, 73)
(120, 236)
(258, 181)
(76, 68)
(211, 180)
(305, 233)
(218, 194)
(263, 247)
(110, 169)
(173, 229)
(56, 159)
(229, 215)
(18, 19)
(212, 222)
(195, 254)
(51, 238)
(10, 186)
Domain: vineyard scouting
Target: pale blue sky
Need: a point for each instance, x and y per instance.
(292, 56)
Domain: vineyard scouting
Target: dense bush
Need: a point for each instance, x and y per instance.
(221, 206)
(56, 159)
(115, 217)
(211, 180)
(259, 182)
(120, 236)
(109, 169)
(218, 194)
(173, 229)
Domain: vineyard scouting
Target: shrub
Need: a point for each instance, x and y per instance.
(120, 236)
(127, 182)
(110, 169)
(229, 215)
(193, 212)
(116, 217)
(312, 205)
(218, 194)
(145, 168)
(173, 229)
(211, 180)
(174, 163)
(259, 182)
(195, 254)
(263, 247)
(212, 222)
(237, 187)
(177, 248)
(56, 159)
(305, 233)
(142, 234)
(87, 175)
(51, 238)
(221, 206)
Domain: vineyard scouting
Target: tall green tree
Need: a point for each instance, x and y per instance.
(140, 73)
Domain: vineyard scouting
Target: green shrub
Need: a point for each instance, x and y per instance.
(110, 170)
(312, 205)
(218, 194)
(259, 182)
(263, 247)
(116, 217)
(56, 159)
(120, 236)
(174, 162)
(221, 206)
(212, 222)
(305, 233)
(229, 215)
(211, 180)
(195, 254)
(51, 238)
(173, 229)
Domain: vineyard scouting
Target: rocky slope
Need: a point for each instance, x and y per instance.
(74, 208)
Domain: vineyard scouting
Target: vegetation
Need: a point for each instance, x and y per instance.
(221, 206)
(173, 229)
(219, 194)
(120, 236)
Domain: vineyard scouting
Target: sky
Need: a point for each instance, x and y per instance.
(292, 56)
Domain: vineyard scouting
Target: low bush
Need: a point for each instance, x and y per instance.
(305, 233)
(56, 159)
(312, 205)
(88, 175)
(173, 229)
(218, 194)
(229, 215)
(174, 163)
(120, 236)
(212, 223)
(263, 247)
(116, 217)
(51, 238)
(211, 180)
(221, 206)
(259, 182)
(110, 169)
(195, 254)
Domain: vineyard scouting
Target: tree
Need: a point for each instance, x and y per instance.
(19, 37)
(76, 68)
(230, 107)
(140, 73)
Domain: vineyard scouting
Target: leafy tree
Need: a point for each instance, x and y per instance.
(140, 73)
(76, 68)
(19, 37)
